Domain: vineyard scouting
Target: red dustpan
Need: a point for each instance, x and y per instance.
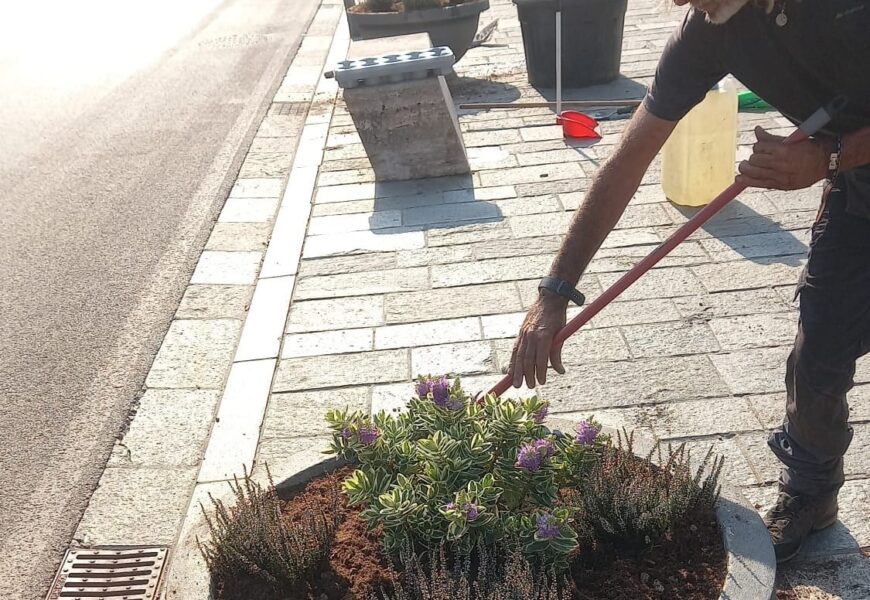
(578, 126)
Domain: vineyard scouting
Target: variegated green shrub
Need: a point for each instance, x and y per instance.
(452, 470)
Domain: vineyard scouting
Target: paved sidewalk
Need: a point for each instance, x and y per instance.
(433, 276)
(385, 281)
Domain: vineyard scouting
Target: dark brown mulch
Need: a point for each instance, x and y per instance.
(398, 6)
(689, 565)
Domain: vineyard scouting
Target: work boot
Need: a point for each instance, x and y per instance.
(794, 517)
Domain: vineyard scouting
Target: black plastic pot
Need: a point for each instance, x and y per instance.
(451, 26)
(591, 40)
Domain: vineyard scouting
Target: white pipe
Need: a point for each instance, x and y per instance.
(559, 60)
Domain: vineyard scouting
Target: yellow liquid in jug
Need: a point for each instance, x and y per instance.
(698, 158)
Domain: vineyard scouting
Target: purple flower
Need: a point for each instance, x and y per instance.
(346, 433)
(450, 506)
(540, 415)
(532, 456)
(455, 404)
(586, 433)
(547, 527)
(423, 388)
(472, 511)
(368, 434)
(440, 392)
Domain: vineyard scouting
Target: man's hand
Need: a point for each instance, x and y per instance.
(779, 166)
(532, 349)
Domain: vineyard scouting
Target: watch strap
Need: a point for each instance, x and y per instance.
(834, 159)
(562, 288)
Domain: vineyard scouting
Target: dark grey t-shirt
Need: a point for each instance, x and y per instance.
(822, 52)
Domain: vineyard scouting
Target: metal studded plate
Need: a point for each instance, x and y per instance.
(130, 573)
(393, 68)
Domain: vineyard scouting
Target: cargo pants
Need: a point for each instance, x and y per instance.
(833, 332)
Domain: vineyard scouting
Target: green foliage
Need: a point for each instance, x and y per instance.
(376, 6)
(453, 470)
(251, 539)
(630, 503)
(479, 576)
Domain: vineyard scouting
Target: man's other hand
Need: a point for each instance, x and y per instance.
(778, 166)
(532, 351)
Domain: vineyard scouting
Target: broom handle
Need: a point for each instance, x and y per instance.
(812, 125)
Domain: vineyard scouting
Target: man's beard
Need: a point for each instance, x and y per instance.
(720, 11)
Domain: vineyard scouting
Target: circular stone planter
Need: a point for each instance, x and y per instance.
(452, 26)
(751, 564)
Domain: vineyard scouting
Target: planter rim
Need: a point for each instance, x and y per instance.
(751, 568)
(466, 9)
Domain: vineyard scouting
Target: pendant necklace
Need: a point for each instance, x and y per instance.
(782, 18)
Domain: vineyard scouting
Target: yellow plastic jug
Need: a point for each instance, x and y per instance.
(698, 159)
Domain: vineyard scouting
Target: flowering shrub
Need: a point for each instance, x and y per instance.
(452, 470)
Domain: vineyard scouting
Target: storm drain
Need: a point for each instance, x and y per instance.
(294, 109)
(131, 573)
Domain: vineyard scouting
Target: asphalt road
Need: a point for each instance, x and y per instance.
(122, 126)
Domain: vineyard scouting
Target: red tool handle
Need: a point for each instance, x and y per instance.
(818, 120)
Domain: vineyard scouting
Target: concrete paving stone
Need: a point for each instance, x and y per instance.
(736, 470)
(340, 224)
(350, 207)
(227, 268)
(301, 414)
(466, 234)
(236, 430)
(435, 256)
(451, 213)
(380, 366)
(859, 403)
(643, 215)
(454, 359)
(347, 151)
(214, 302)
(658, 283)
(545, 132)
(584, 347)
(136, 506)
(696, 418)
(169, 429)
(781, 243)
(498, 192)
(731, 304)
(537, 225)
(392, 398)
(345, 193)
(753, 371)
(287, 456)
(755, 331)
(546, 188)
(490, 157)
(326, 342)
(248, 210)
(564, 155)
(669, 339)
(490, 271)
(239, 237)
(857, 459)
(195, 354)
(333, 314)
(493, 137)
(384, 240)
(515, 247)
(656, 310)
(428, 332)
(621, 259)
(806, 199)
(280, 126)
(514, 207)
(468, 301)
(257, 188)
(352, 263)
(533, 174)
(619, 384)
(768, 408)
(854, 499)
(187, 577)
(261, 334)
(272, 164)
(344, 164)
(762, 460)
(362, 284)
(344, 177)
(623, 238)
(288, 234)
(286, 145)
(787, 293)
(832, 578)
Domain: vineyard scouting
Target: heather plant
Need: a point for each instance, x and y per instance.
(251, 539)
(378, 5)
(502, 574)
(453, 470)
(630, 503)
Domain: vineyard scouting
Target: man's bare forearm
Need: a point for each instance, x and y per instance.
(612, 189)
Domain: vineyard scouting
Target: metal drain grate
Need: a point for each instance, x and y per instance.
(131, 573)
(295, 109)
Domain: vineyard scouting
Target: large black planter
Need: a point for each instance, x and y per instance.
(452, 26)
(591, 40)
